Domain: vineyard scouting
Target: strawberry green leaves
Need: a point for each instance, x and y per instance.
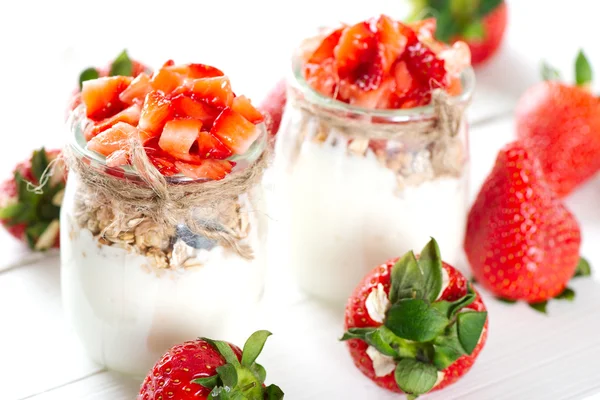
(583, 70)
(420, 279)
(254, 345)
(583, 268)
(549, 73)
(87, 75)
(470, 325)
(121, 66)
(415, 377)
(243, 380)
(416, 320)
(455, 17)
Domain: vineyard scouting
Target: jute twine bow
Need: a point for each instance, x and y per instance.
(168, 204)
(444, 121)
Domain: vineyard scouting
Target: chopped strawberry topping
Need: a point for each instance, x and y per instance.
(130, 115)
(242, 105)
(207, 169)
(235, 131)
(101, 96)
(214, 91)
(211, 147)
(113, 139)
(137, 90)
(156, 112)
(196, 71)
(186, 116)
(185, 106)
(383, 63)
(166, 80)
(178, 136)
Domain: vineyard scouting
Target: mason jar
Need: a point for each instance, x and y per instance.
(360, 186)
(133, 291)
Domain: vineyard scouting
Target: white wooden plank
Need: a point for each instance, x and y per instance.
(38, 351)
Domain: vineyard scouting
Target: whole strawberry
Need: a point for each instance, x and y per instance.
(32, 216)
(210, 369)
(560, 123)
(415, 324)
(521, 241)
(479, 23)
(122, 65)
(273, 105)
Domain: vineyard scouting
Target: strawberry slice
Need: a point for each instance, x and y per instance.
(113, 139)
(137, 90)
(211, 147)
(235, 131)
(179, 136)
(130, 115)
(196, 71)
(166, 80)
(208, 169)
(327, 47)
(101, 96)
(214, 91)
(155, 113)
(403, 78)
(185, 106)
(242, 105)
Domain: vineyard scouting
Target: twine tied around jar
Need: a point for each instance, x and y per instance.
(426, 140)
(168, 204)
(445, 120)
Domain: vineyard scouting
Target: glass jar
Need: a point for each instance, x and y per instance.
(360, 186)
(131, 294)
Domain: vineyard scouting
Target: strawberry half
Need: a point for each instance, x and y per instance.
(521, 241)
(410, 333)
(32, 216)
(210, 369)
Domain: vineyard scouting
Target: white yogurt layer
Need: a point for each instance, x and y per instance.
(346, 216)
(127, 316)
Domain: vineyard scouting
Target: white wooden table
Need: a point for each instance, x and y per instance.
(44, 44)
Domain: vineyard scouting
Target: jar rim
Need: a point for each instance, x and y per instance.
(299, 83)
(78, 121)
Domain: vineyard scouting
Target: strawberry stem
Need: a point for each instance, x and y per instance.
(583, 70)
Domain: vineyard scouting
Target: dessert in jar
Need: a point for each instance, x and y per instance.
(163, 225)
(373, 149)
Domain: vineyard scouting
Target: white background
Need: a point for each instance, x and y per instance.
(44, 45)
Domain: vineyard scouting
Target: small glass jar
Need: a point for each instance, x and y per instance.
(360, 186)
(131, 294)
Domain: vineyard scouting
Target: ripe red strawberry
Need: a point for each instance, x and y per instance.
(560, 123)
(32, 216)
(273, 106)
(408, 331)
(521, 241)
(481, 24)
(210, 369)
